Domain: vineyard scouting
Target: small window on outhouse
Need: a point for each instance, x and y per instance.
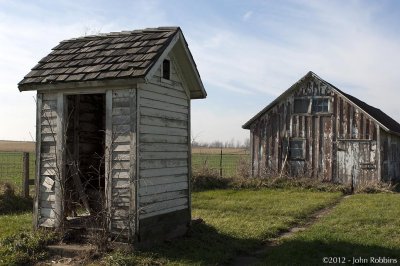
(320, 105)
(296, 149)
(300, 105)
(166, 71)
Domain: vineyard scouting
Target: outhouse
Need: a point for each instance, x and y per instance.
(113, 133)
(313, 129)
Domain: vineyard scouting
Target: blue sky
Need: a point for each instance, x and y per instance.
(247, 52)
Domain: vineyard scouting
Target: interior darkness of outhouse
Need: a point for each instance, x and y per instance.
(84, 153)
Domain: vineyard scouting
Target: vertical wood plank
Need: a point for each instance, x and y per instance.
(108, 156)
(36, 215)
(132, 169)
(25, 180)
(189, 160)
(378, 153)
(59, 177)
(137, 216)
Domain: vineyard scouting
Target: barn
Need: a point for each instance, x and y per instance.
(113, 133)
(314, 129)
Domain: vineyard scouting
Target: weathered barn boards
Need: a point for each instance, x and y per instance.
(315, 129)
(113, 130)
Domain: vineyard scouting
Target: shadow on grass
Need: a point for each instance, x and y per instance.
(11, 203)
(203, 245)
(206, 246)
(313, 252)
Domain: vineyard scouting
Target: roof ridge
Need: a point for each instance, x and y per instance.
(115, 34)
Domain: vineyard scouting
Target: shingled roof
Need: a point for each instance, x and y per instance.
(119, 55)
(386, 121)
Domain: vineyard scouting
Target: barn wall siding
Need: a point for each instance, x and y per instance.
(164, 151)
(320, 133)
(390, 156)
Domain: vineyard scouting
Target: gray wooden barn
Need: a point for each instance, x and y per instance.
(113, 132)
(314, 129)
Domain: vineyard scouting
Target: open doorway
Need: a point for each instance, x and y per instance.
(84, 188)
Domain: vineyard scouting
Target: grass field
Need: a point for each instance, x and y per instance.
(362, 226)
(236, 221)
(211, 158)
(11, 167)
(17, 146)
(239, 221)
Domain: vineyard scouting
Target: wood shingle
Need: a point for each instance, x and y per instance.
(127, 54)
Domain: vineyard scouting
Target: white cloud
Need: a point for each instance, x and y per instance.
(247, 15)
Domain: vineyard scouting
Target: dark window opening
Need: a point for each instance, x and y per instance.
(301, 106)
(296, 150)
(166, 69)
(320, 105)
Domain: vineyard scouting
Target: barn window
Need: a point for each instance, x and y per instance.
(320, 105)
(296, 149)
(301, 105)
(166, 69)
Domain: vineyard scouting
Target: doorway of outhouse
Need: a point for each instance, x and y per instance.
(84, 188)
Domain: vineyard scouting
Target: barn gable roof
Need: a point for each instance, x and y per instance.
(109, 57)
(387, 123)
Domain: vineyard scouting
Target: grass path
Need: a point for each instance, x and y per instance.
(255, 256)
(235, 221)
(361, 227)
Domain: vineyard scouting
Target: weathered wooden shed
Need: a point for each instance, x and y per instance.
(113, 130)
(314, 129)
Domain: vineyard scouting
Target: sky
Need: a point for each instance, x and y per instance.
(247, 52)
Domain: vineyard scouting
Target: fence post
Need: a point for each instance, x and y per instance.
(25, 176)
(220, 164)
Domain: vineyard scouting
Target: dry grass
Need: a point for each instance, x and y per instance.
(17, 146)
(206, 150)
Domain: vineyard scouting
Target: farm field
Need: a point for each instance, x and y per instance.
(11, 167)
(211, 158)
(17, 146)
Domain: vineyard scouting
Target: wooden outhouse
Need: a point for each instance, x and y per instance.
(113, 133)
(314, 129)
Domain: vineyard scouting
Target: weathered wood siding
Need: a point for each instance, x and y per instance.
(320, 133)
(47, 171)
(121, 160)
(164, 146)
(390, 156)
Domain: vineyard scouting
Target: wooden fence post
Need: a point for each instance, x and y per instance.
(25, 176)
(220, 164)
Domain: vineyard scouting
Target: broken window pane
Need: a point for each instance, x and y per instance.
(301, 106)
(320, 105)
(296, 149)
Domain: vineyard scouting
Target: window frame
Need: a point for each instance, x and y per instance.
(166, 72)
(302, 157)
(323, 98)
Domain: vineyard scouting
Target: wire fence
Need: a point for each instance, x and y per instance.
(226, 162)
(16, 167)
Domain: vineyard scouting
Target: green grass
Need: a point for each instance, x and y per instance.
(15, 223)
(364, 225)
(11, 167)
(229, 162)
(236, 221)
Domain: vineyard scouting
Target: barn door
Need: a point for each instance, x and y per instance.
(356, 162)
